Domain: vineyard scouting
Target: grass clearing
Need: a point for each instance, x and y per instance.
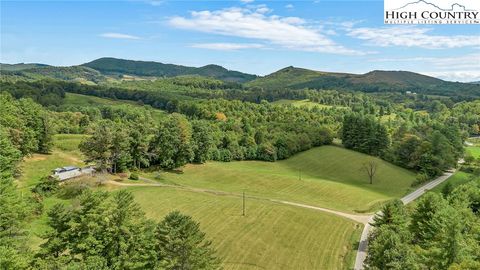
(270, 236)
(474, 151)
(65, 152)
(326, 176)
(304, 103)
(92, 101)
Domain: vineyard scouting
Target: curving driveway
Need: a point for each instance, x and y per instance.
(363, 244)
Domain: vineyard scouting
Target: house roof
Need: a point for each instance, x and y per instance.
(69, 168)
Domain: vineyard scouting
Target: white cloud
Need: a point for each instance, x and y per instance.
(252, 23)
(247, 1)
(459, 75)
(289, 6)
(118, 36)
(465, 68)
(227, 46)
(410, 36)
(155, 2)
(468, 61)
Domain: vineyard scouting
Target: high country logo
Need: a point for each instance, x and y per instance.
(432, 12)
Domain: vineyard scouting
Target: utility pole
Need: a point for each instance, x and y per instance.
(243, 212)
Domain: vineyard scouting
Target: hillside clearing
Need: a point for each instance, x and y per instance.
(72, 99)
(327, 176)
(303, 103)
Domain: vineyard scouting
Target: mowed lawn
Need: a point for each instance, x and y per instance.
(64, 153)
(326, 176)
(270, 236)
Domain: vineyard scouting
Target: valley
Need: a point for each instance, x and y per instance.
(309, 165)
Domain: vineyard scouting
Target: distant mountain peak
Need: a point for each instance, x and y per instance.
(432, 5)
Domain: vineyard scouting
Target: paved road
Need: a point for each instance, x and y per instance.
(364, 219)
(363, 244)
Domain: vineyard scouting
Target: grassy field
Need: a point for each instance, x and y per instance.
(326, 176)
(91, 101)
(65, 152)
(304, 103)
(270, 236)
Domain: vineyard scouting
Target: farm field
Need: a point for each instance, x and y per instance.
(326, 176)
(270, 236)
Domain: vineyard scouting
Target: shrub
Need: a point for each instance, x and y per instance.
(72, 189)
(447, 189)
(133, 176)
(46, 187)
(420, 179)
(469, 159)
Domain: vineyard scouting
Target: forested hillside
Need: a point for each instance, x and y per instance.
(156, 69)
(375, 81)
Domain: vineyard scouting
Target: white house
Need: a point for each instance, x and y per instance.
(70, 172)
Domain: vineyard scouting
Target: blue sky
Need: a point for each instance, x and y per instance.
(251, 36)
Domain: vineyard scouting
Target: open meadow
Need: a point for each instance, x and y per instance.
(72, 99)
(303, 103)
(270, 236)
(326, 176)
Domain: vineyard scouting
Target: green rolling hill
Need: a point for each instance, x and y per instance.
(374, 81)
(109, 65)
(326, 176)
(20, 66)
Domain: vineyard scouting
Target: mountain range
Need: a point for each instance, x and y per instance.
(104, 69)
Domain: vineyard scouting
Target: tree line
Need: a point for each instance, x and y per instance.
(428, 149)
(441, 232)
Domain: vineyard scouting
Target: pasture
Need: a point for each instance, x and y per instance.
(327, 176)
(270, 236)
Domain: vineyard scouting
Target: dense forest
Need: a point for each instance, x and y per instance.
(442, 231)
